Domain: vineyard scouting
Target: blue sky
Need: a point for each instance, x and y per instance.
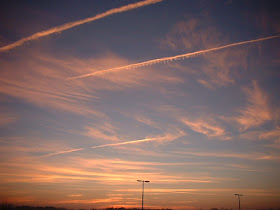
(200, 128)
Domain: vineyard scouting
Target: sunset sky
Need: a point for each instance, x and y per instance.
(93, 98)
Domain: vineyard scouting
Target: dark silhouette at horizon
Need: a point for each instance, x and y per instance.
(9, 206)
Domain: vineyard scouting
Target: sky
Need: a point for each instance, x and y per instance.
(96, 95)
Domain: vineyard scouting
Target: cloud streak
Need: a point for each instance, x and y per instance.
(169, 59)
(108, 145)
(67, 26)
(257, 110)
(206, 128)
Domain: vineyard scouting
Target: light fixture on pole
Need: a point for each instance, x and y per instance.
(142, 191)
(238, 195)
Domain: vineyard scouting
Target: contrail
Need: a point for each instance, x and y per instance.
(105, 145)
(167, 59)
(127, 142)
(66, 26)
(62, 152)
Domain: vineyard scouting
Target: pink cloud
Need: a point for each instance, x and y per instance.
(104, 131)
(210, 129)
(257, 110)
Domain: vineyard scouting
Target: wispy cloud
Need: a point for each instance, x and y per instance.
(89, 201)
(67, 26)
(145, 120)
(108, 171)
(257, 110)
(202, 126)
(205, 191)
(252, 156)
(75, 195)
(169, 59)
(271, 134)
(106, 131)
(124, 164)
(42, 85)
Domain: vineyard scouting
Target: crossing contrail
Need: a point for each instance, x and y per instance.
(167, 59)
(105, 145)
(69, 25)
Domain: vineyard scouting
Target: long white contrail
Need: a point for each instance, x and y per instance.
(66, 26)
(167, 59)
(106, 145)
(62, 152)
(127, 142)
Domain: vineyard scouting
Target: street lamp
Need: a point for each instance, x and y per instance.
(142, 190)
(238, 195)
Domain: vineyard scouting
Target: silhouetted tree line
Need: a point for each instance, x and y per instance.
(7, 206)
(244, 208)
(269, 209)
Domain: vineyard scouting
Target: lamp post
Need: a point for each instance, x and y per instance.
(238, 195)
(142, 191)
